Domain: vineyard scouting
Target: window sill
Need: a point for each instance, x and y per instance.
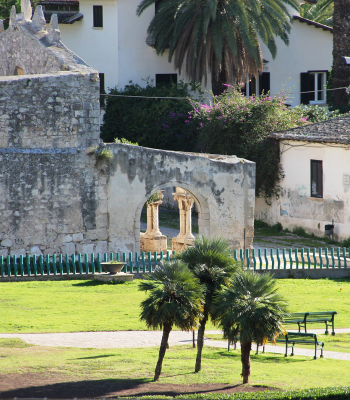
(319, 102)
(97, 28)
(316, 198)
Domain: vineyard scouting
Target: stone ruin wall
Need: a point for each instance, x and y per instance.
(52, 193)
(57, 110)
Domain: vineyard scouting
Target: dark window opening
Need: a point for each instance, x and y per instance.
(252, 87)
(98, 16)
(316, 179)
(166, 79)
(264, 83)
(102, 82)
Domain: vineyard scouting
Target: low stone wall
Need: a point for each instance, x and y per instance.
(52, 202)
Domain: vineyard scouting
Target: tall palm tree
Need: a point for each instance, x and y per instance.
(220, 37)
(175, 298)
(251, 306)
(341, 48)
(321, 12)
(210, 261)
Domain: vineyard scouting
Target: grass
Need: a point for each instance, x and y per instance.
(178, 367)
(78, 306)
(340, 342)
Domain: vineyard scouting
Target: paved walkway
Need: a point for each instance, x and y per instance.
(118, 339)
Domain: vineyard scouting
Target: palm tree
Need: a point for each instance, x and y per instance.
(220, 37)
(175, 298)
(210, 261)
(321, 12)
(251, 306)
(341, 48)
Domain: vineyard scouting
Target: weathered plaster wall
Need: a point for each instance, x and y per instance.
(224, 189)
(309, 49)
(296, 207)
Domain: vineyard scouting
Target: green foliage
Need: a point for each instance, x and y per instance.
(235, 124)
(104, 154)
(157, 123)
(315, 113)
(321, 12)
(153, 198)
(251, 306)
(300, 231)
(174, 298)
(206, 37)
(210, 261)
(5, 7)
(346, 243)
(124, 141)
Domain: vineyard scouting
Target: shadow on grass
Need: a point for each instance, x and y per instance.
(116, 387)
(262, 358)
(90, 283)
(93, 357)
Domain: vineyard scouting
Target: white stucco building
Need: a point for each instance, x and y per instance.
(316, 186)
(111, 38)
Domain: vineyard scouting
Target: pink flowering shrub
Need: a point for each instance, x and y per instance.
(237, 125)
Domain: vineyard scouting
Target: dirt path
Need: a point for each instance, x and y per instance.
(120, 339)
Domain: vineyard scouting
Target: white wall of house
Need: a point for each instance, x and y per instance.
(119, 49)
(296, 207)
(309, 49)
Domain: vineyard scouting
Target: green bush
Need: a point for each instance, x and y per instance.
(157, 123)
(235, 124)
(315, 113)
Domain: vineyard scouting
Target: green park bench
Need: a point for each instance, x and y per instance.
(291, 338)
(312, 317)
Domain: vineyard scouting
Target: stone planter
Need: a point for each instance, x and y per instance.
(113, 267)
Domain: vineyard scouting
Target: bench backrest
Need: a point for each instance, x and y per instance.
(301, 336)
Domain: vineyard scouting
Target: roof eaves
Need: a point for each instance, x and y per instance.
(315, 24)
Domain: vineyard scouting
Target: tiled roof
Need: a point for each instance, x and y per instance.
(64, 17)
(335, 130)
(316, 24)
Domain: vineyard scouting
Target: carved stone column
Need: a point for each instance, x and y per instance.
(185, 237)
(153, 240)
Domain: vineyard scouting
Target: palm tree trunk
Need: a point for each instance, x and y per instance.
(162, 350)
(245, 359)
(200, 339)
(341, 48)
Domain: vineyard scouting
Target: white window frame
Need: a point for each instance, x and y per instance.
(317, 89)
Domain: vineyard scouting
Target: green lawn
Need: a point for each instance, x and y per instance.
(218, 366)
(73, 306)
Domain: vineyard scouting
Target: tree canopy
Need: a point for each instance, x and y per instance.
(218, 37)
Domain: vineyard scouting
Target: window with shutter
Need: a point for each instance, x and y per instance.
(316, 179)
(313, 87)
(97, 17)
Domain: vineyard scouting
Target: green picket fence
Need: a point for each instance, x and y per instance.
(78, 264)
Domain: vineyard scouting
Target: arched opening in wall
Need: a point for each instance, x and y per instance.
(19, 71)
(169, 220)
